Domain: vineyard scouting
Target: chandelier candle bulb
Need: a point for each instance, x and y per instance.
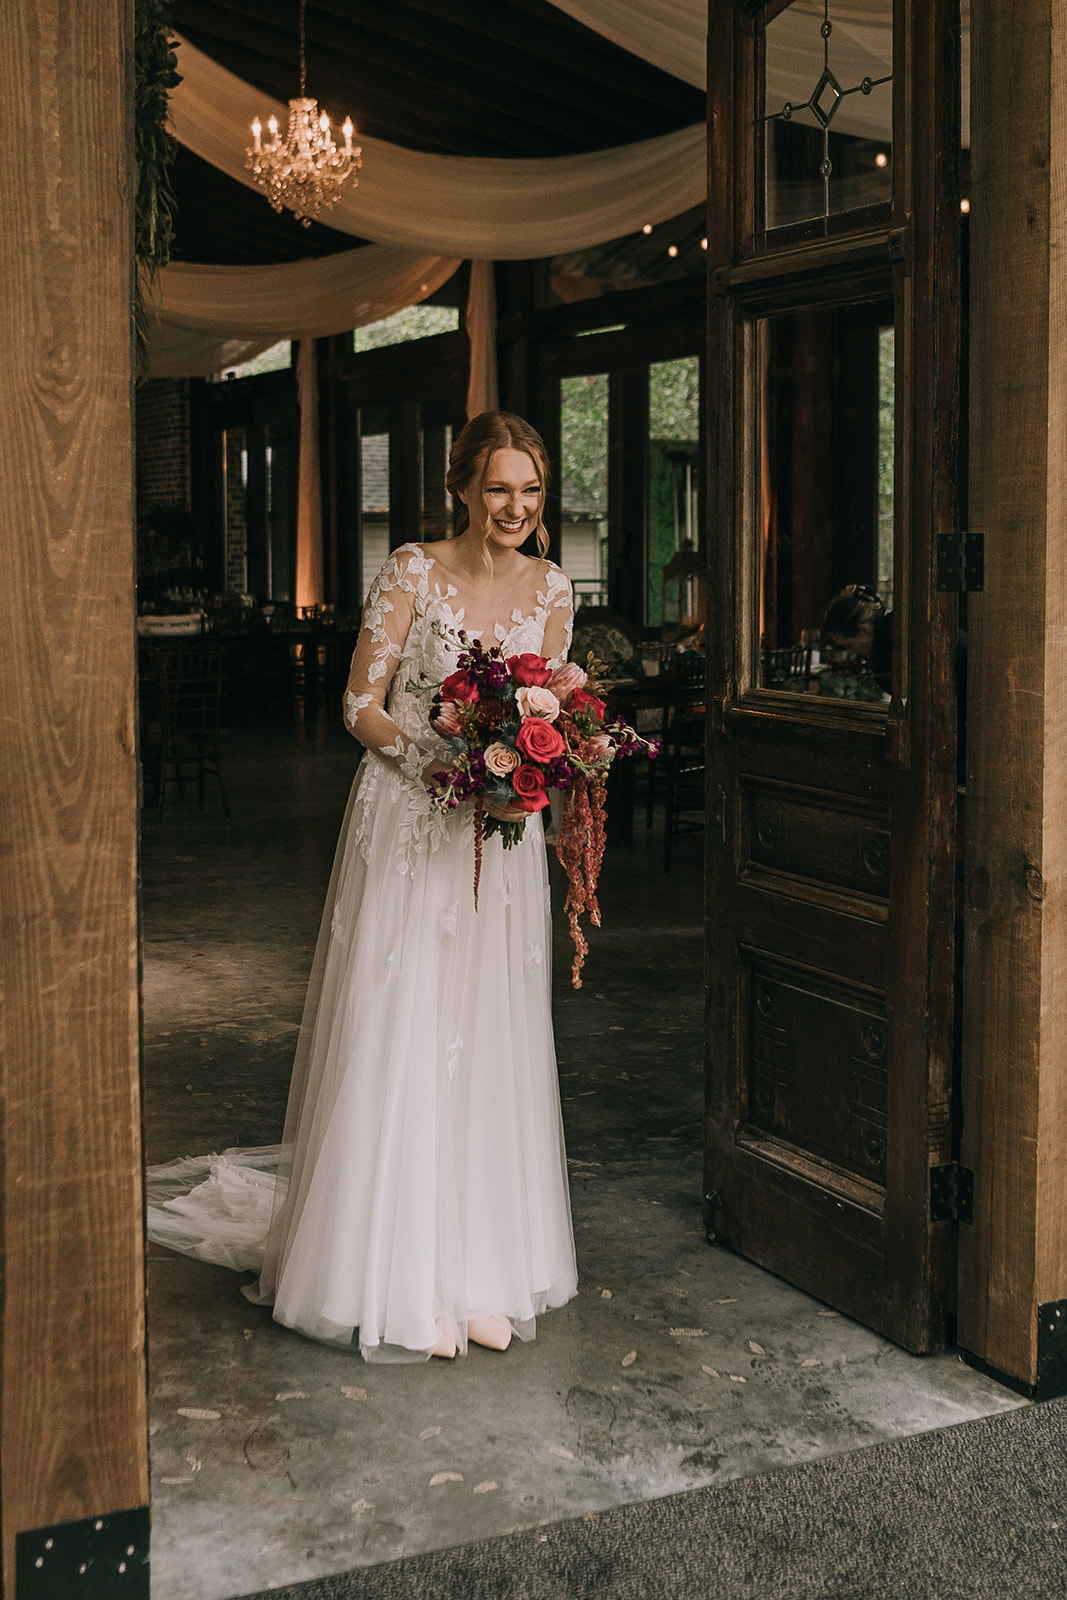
(304, 172)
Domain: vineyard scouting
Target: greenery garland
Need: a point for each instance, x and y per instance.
(156, 71)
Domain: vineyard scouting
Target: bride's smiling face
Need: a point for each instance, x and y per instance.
(509, 497)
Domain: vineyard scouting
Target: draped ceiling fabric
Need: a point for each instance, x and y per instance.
(671, 34)
(482, 391)
(219, 316)
(466, 206)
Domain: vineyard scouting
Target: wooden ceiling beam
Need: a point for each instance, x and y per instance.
(445, 79)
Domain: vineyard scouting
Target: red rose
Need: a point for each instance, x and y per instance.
(534, 671)
(529, 786)
(581, 700)
(459, 686)
(540, 740)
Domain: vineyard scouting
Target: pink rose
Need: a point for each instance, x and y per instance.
(580, 702)
(537, 702)
(459, 686)
(539, 740)
(565, 680)
(529, 669)
(529, 786)
(501, 760)
(447, 720)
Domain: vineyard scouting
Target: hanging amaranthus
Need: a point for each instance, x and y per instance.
(580, 848)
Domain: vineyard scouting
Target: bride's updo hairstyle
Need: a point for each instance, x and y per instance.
(473, 449)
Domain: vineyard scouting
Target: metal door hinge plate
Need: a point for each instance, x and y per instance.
(961, 562)
(951, 1193)
(96, 1556)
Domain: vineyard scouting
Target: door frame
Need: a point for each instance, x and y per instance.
(915, 249)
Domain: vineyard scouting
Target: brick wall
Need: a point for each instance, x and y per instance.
(163, 470)
(236, 511)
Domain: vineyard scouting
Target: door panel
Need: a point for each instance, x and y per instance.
(830, 862)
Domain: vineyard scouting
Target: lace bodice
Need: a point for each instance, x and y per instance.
(398, 654)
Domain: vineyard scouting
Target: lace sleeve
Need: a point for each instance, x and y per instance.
(559, 622)
(387, 617)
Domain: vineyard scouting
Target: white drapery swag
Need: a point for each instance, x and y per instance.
(220, 316)
(459, 205)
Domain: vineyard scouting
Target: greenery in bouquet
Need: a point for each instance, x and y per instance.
(517, 728)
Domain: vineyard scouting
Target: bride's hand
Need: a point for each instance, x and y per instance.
(506, 813)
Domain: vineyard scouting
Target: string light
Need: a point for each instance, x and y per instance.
(647, 228)
(881, 159)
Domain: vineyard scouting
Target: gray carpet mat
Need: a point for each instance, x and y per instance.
(974, 1512)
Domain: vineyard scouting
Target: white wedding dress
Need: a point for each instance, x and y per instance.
(421, 1178)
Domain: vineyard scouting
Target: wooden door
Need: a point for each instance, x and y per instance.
(833, 412)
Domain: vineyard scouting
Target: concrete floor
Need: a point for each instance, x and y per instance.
(275, 1459)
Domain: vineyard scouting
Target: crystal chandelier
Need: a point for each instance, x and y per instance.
(306, 171)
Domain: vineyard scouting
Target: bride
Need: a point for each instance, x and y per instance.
(421, 1199)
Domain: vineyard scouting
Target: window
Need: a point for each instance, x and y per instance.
(584, 485)
(276, 359)
(673, 470)
(413, 322)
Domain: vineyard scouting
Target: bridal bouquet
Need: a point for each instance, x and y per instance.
(518, 728)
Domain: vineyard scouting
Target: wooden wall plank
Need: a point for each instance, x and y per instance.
(73, 1440)
(1015, 996)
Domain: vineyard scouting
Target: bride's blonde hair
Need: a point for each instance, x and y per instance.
(474, 448)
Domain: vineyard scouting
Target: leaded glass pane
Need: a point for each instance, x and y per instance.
(828, 109)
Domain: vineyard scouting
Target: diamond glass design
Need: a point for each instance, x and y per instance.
(826, 98)
(845, 82)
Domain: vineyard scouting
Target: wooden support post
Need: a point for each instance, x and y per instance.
(1013, 1260)
(73, 1437)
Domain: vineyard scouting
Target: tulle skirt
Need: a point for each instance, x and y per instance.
(422, 1175)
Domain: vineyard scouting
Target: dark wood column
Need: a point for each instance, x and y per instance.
(73, 1438)
(1013, 1258)
(628, 492)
